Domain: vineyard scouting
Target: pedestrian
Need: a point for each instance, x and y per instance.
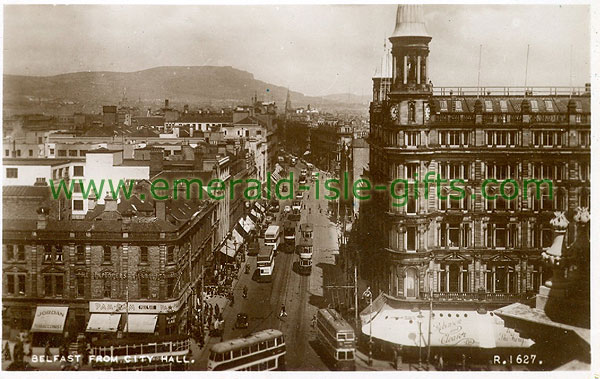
(441, 363)
(6, 352)
(314, 320)
(282, 313)
(47, 353)
(217, 309)
(464, 362)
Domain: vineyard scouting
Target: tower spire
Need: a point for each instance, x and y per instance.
(410, 50)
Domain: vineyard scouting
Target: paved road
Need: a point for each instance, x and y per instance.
(301, 294)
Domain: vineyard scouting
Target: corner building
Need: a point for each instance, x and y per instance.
(470, 248)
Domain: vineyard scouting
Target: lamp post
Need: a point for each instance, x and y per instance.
(420, 317)
(369, 295)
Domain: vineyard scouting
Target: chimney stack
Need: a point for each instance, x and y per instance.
(42, 220)
(91, 203)
(110, 204)
(160, 209)
(166, 103)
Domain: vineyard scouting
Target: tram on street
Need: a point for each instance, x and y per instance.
(261, 351)
(337, 338)
(304, 248)
(265, 261)
(273, 236)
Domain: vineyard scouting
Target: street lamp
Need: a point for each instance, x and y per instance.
(420, 317)
(369, 295)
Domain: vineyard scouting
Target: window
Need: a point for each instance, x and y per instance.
(10, 284)
(170, 254)
(18, 153)
(144, 254)
(51, 151)
(144, 292)
(549, 106)
(21, 252)
(534, 105)
(62, 153)
(584, 138)
(503, 106)
(72, 153)
(82, 153)
(412, 169)
(412, 138)
(77, 205)
(443, 105)
(9, 252)
(411, 238)
(78, 171)
(411, 112)
(31, 153)
(40, 140)
(458, 106)
(12, 173)
(53, 284)
(80, 254)
(21, 284)
(47, 253)
(170, 286)
(107, 288)
(489, 106)
(58, 253)
(80, 286)
(107, 254)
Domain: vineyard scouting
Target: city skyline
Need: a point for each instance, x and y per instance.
(291, 43)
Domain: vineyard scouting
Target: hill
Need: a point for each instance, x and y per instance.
(219, 86)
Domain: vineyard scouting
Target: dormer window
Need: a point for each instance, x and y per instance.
(503, 106)
(488, 106)
(549, 106)
(443, 106)
(458, 106)
(534, 105)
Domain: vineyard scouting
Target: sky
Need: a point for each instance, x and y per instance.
(313, 49)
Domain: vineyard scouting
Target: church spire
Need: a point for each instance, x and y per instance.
(410, 21)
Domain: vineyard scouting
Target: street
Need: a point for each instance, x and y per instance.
(302, 295)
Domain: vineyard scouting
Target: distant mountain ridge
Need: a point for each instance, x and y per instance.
(218, 85)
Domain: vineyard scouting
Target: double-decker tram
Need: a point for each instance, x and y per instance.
(306, 230)
(304, 248)
(261, 351)
(265, 261)
(337, 338)
(273, 236)
(289, 236)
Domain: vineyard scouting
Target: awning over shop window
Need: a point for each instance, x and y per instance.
(275, 177)
(259, 206)
(49, 319)
(237, 237)
(103, 322)
(141, 323)
(448, 328)
(229, 248)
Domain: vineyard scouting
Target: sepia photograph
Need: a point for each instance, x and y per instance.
(309, 187)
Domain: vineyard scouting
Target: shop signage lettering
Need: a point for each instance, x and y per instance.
(136, 306)
(132, 276)
(452, 333)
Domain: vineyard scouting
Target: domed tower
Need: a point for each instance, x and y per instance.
(410, 49)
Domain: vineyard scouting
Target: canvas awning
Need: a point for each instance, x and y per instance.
(258, 206)
(49, 319)
(229, 248)
(448, 328)
(103, 322)
(141, 323)
(237, 237)
(275, 177)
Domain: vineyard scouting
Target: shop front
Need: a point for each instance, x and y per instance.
(48, 325)
(451, 333)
